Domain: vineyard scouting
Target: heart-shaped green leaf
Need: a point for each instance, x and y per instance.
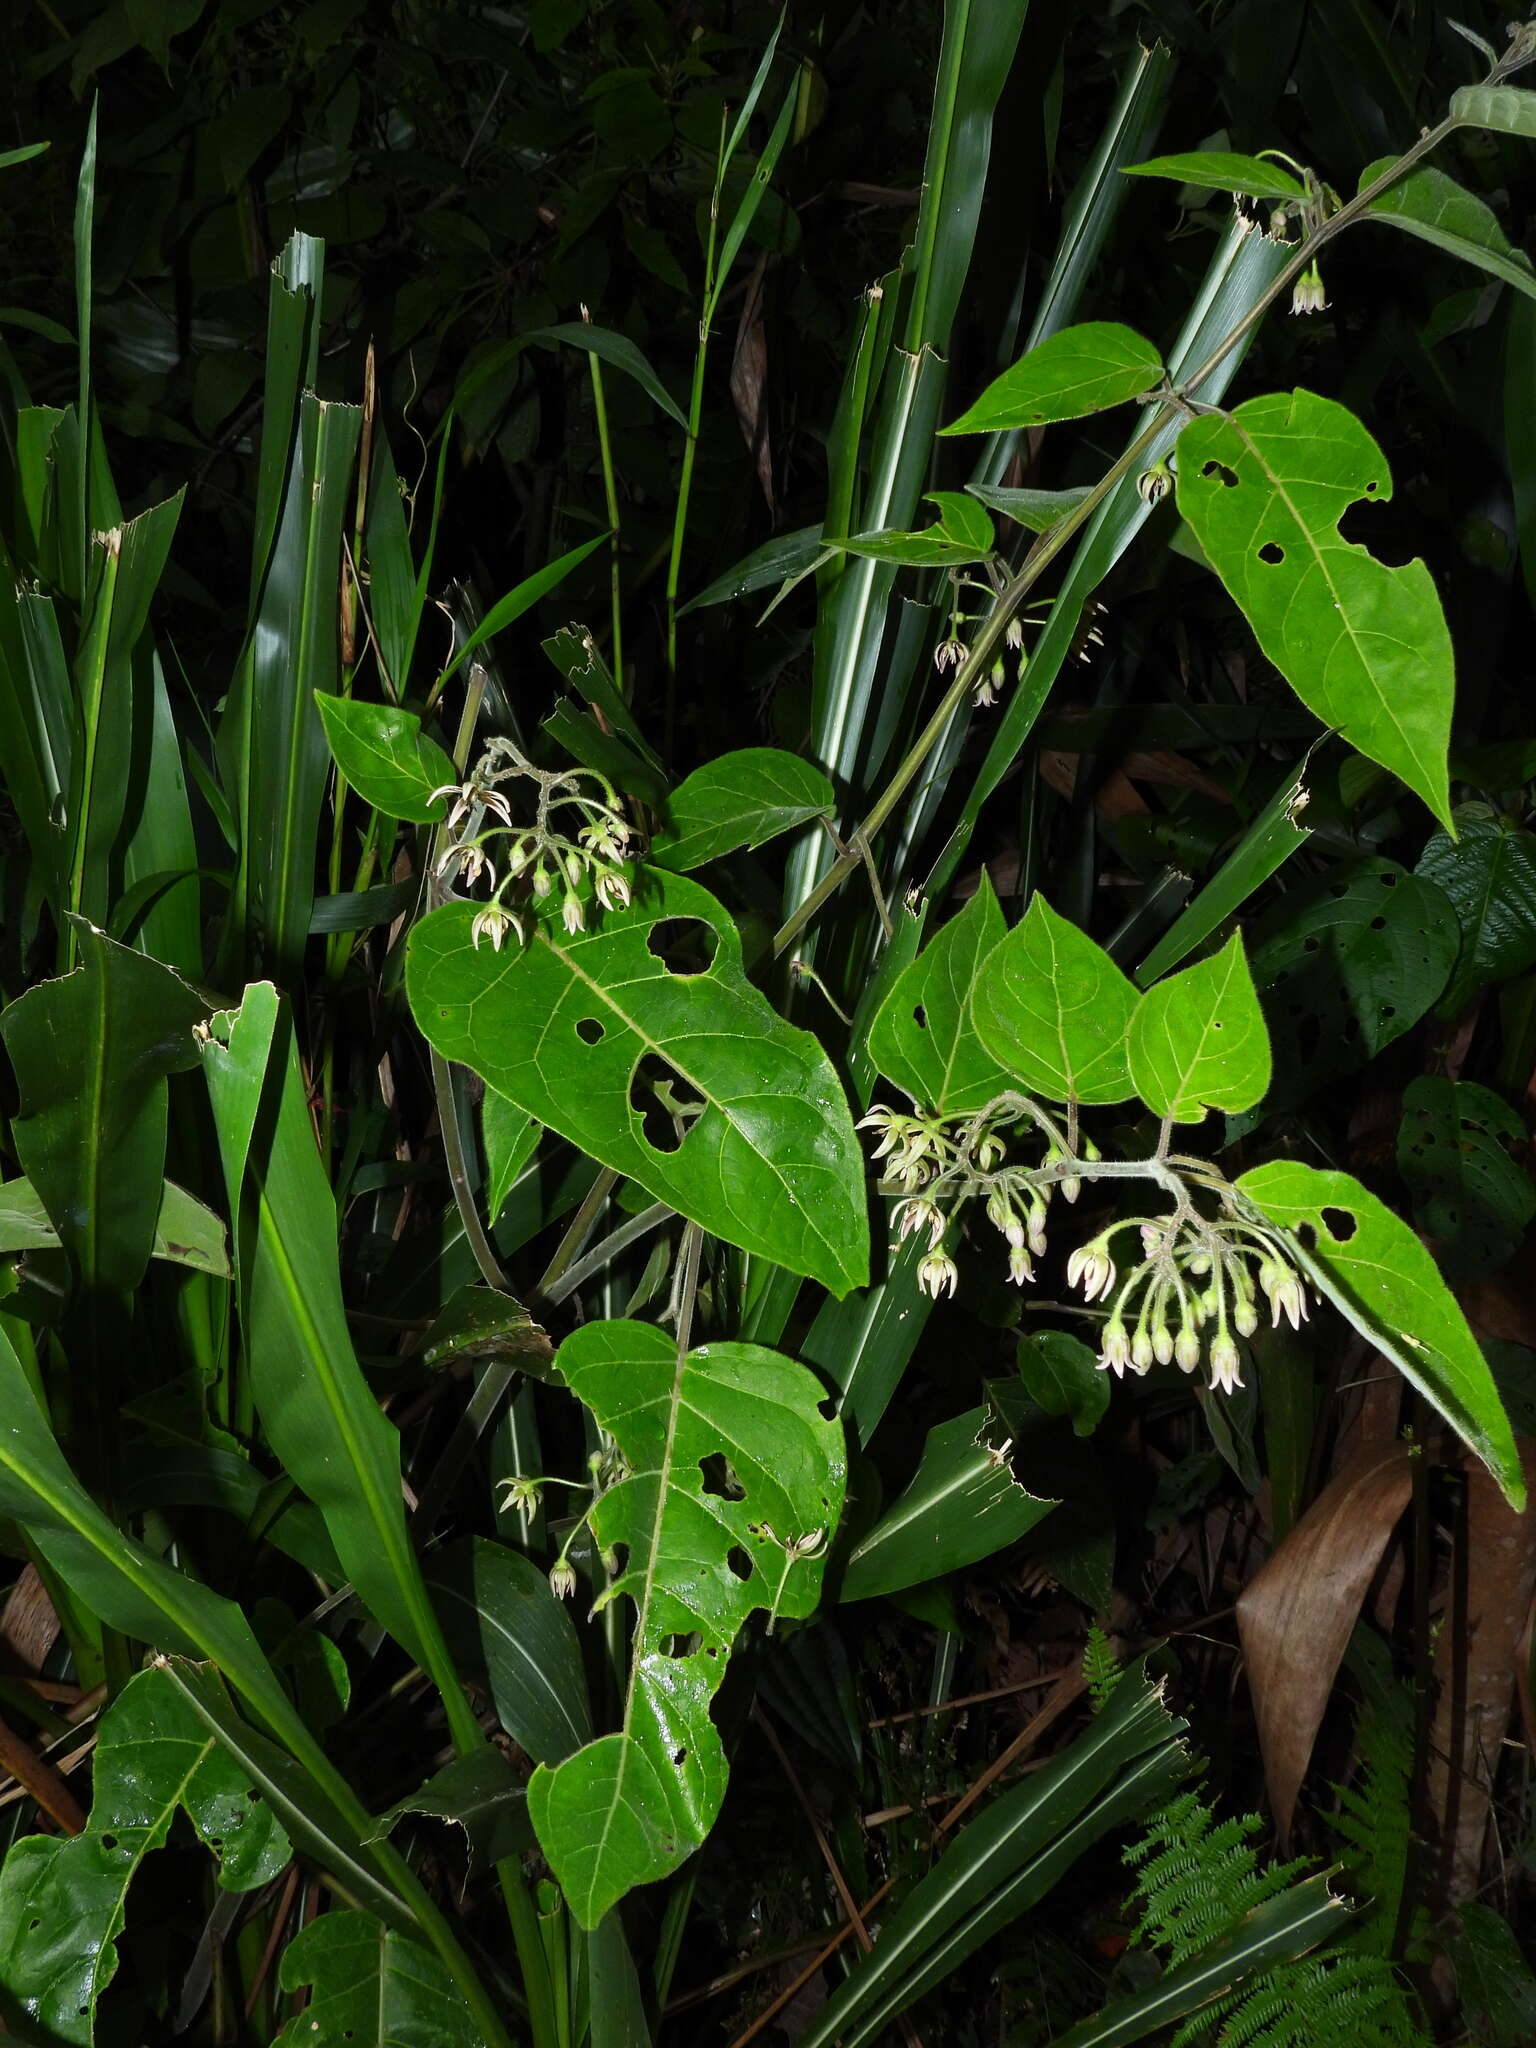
(1081, 370)
(680, 1075)
(734, 1488)
(1053, 1009)
(739, 800)
(387, 758)
(1363, 645)
(922, 1037)
(371, 1988)
(1198, 1039)
(1373, 1268)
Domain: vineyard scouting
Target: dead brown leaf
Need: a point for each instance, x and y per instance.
(749, 378)
(1295, 1615)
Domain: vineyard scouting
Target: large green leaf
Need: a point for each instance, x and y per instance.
(1439, 211)
(1459, 1152)
(922, 1036)
(1363, 645)
(561, 1027)
(320, 1415)
(1489, 872)
(1054, 1010)
(1225, 171)
(91, 1052)
(371, 1988)
(481, 1793)
(1079, 371)
(963, 1504)
(63, 1899)
(739, 800)
(1198, 1040)
(1344, 965)
(1507, 109)
(1007, 1859)
(733, 1492)
(387, 758)
(1371, 1265)
(504, 1624)
(1064, 1377)
(186, 1232)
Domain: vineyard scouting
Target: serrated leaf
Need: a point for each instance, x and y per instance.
(1371, 1265)
(922, 1036)
(371, 1988)
(963, 1504)
(1506, 109)
(1224, 171)
(741, 799)
(562, 1026)
(1439, 211)
(387, 758)
(731, 1465)
(1198, 1039)
(63, 1901)
(1344, 965)
(1035, 509)
(1078, 371)
(1489, 873)
(1363, 645)
(1470, 1194)
(1054, 1010)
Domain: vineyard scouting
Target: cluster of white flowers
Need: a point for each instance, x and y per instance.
(482, 843)
(1195, 1285)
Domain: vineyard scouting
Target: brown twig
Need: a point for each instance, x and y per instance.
(22, 1762)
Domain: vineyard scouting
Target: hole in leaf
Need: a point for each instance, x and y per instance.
(1378, 924)
(680, 1646)
(1228, 476)
(1272, 553)
(588, 1030)
(1340, 1224)
(109, 1842)
(680, 1757)
(720, 1477)
(253, 1795)
(739, 1561)
(663, 1101)
(683, 945)
(1311, 943)
(828, 1408)
(920, 1018)
(1373, 485)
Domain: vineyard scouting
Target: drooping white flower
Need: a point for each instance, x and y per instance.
(572, 916)
(1224, 1365)
(938, 1275)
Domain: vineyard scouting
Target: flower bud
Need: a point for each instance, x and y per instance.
(1019, 1268)
(1141, 1351)
(1187, 1349)
(1115, 1350)
(1244, 1319)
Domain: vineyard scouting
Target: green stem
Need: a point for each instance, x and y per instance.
(1066, 528)
(611, 494)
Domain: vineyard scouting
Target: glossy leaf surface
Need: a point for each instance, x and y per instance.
(734, 1489)
(63, 1900)
(1198, 1039)
(187, 1233)
(371, 1988)
(963, 1504)
(741, 799)
(387, 758)
(562, 1026)
(1371, 1265)
(1363, 645)
(1054, 1010)
(1078, 371)
(923, 1037)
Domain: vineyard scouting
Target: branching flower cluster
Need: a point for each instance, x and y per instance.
(579, 836)
(1196, 1276)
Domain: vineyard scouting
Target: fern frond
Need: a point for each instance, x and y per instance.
(1373, 1821)
(1199, 1876)
(1101, 1668)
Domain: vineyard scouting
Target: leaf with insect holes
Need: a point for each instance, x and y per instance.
(370, 1987)
(1363, 645)
(1198, 1039)
(741, 799)
(641, 1040)
(387, 758)
(1053, 1009)
(922, 1036)
(1372, 1267)
(1080, 370)
(733, 1490)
